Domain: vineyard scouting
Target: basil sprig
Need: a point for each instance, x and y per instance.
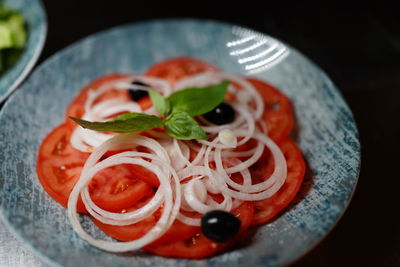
(180, 125)
(125, 123)
(162, 105)
(177, 109)
(197, 101)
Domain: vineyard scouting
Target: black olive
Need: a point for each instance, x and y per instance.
(136, 82)
(222, 114)
(219, 225)
(137, 94)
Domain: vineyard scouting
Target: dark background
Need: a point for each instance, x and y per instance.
(357, 44)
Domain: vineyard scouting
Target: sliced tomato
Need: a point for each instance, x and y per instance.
(117, 188)
(278, 112)
(77, 107)
(178, 231)
(174, 69)
(198, 246)
(139, 172)
(265, 210)
(145, 103)
(59, 166)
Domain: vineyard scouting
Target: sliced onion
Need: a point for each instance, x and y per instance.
(250, 129)
(130, 217)
(270, 186)
(171, 202)
(113, 218)
(227, 138)
(208, 78)
(154, 83)
(84, 138)
(160, 228)
(170, 159)
(189, 221)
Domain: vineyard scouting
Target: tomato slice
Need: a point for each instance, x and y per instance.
(178, 231)
(181, 240)
(59, 166)
(278, 113)
(265, 210)
(117, 188)
(174, 69)
(129, 232)
(77, 107)
(198, 246)
(139, 172)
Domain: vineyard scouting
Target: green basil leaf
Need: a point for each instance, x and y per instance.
(161, 104)
(125, 123)
(197, 101)
(181, 125)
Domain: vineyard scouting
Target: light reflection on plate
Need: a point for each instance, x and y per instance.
(256, 52)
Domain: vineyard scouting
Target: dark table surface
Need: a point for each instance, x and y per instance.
(358, 45)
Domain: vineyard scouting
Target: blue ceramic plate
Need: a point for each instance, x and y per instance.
(326, 134)
(35, 17)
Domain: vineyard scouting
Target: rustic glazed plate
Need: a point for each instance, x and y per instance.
(326, 133)
(35, 17)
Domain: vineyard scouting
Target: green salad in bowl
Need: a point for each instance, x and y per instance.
(13, 36)
(23, 28)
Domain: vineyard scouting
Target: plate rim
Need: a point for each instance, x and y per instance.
(71, 46)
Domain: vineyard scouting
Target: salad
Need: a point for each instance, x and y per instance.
(179, 162)
(13, 36)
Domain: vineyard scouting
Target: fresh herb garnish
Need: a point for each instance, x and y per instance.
(162, 105)
(177, 109)
(181, 125)
(13, 36)
(197, 101)
(125, 123)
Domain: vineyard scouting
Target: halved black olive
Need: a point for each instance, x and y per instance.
(222, 114)
(137, 94)
(219, 225)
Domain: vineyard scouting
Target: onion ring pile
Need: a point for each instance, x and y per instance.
(189, 172)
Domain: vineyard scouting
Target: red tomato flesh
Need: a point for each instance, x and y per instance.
(265, 210)
(77, 107)
(278, 113)
(59, 166)
(198, 246)
(175, 69)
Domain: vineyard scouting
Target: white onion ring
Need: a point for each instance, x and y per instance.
(85, 139)
(171, 204)
(271, 185)
(160, 228)
(172, 163)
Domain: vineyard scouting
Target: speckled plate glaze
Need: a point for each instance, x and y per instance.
(326, 134)
(37, 29)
